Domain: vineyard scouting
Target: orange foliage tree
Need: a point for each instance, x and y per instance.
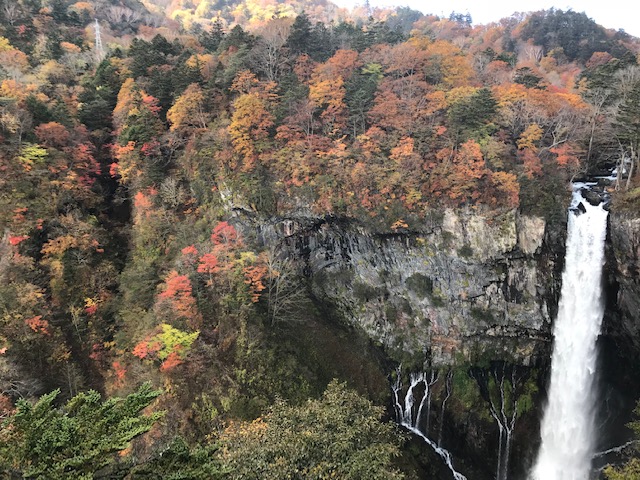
(251, 118)
(528, 150)
(52, 134)
(461, 173)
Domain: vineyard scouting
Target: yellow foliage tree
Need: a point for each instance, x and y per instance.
(249, 127)
(188, 111)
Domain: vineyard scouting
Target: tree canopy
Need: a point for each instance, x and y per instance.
(340, 435)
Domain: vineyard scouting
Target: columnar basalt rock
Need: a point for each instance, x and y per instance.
(466, 283)
(623, 319)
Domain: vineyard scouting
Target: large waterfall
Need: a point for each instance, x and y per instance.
(567, 427)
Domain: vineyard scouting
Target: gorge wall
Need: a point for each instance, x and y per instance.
(620, 342)
(469, 287)
(469, 283)
(624, 280)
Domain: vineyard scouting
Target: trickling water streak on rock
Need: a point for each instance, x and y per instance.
(447, 386)
(406, 417)
(432, 381)
(567, 428)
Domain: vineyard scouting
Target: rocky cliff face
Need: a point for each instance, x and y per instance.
(623, 320)
(620, 342)
(470, 284)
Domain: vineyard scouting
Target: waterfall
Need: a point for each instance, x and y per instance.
(567, 428)
(406, 418)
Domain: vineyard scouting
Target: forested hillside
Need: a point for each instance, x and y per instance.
(142, 166)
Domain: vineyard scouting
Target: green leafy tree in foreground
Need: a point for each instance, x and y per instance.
(631, 470)
(338, 436)
(180, 462)
(76, 440)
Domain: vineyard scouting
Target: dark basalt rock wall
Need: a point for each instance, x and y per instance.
(620, 341)
(466, 284)
(623, 319)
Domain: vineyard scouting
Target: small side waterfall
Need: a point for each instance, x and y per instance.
(567, 428)
(409, 417)
(503, 406)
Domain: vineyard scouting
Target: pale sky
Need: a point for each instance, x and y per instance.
(624, 14)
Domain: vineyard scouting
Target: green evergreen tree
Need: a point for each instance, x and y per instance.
(237, 37)
(525, 76)
(360, 93)
(42, 441)
(211, 40)
(323, 43)
(300, 36)
(179, 462)
(471, 116)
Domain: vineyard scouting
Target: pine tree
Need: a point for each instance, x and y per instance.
(180, 462)
(76, 440)
(300, 36)
(211, 40)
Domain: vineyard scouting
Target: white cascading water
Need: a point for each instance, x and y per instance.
(567, 428)
(410, 419)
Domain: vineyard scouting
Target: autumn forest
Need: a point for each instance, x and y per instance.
(150, 325)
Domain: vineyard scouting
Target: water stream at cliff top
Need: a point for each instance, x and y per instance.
(567, 428)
